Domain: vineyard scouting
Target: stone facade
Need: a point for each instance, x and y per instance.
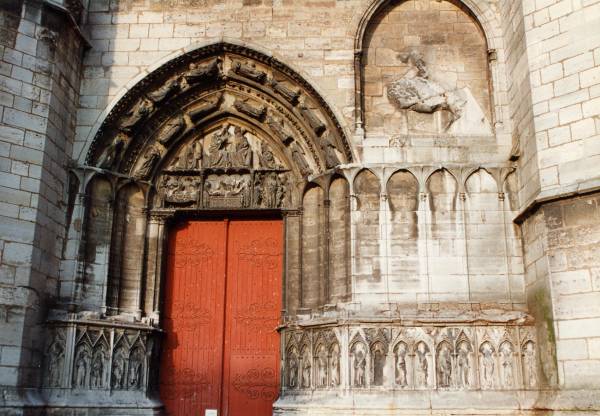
(434, 162)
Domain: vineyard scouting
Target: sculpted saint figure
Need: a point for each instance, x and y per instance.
(56, 355)
(80, 370)
(112, 153)
(97, 371)
(151, 158)
(506, 361)
(199, 73)
(306, 366)
(298, 158)
(401, 365)
(293, 372)
(138, 113)
(243, 150)
(487, 361)
(322, 369)
(530, 365)
(335, 368)
(444, 366)
(331, 158)
(360, 364)
(422, 372)
(219, 156)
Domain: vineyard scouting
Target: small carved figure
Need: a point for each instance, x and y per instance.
(360, 365)
(242, 147)
(464, 365)
(290, 95)
(422, 370)
(248, 70)
(267, 158)
(135, 370)
(487, 365)
(277, 126)
(112, 154)
(280, 192)
(171, 128)
(200, 73)
(56, 355)
(298, 158)
(417, 92)
(192, 156)
(329, 148)
(165, 91)
(208, 106)
(81, 365)
(293, 371)
(401, 365)
(378, 364)
(243, 106)
(306, 366)
(444, 366)
(137, 114)
(219, 157)
(270, 191)
(322, 367)
(314, 122)
(506, 361)
(118, 370)
(97, 371)
(335, 366)
(151, 158)
(529, 362)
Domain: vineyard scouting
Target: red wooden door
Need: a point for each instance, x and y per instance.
(222, 305)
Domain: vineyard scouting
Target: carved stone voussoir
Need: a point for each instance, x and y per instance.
(280, 88)
(312, 119)
(248, 70)
(245, 107)
(208, 105)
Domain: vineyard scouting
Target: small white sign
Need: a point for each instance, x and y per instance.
(211, 412)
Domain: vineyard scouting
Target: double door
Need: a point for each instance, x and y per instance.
(222, 305)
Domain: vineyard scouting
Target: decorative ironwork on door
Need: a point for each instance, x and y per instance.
(222, 307)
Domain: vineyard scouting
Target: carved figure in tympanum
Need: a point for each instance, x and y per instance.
(228, 190)
(267, 158)
(243, 150)
(488, 365)
(219, 156)
(137, 114)
(191, 155)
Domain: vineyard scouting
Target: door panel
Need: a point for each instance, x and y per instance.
(191, 364)
(222, 305)
(251, 354)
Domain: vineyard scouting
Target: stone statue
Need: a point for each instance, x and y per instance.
(81, 365)
(135, 370)
(506, 362)
(200, 73)
(242, 148)
(56, 358)
(487, 365)
(360, 365)
(417, 92)
(267, 158)
(463, 365)
(118, 370)
(401, 365)
(151, 158)
(444, 366)
(171, 128)
(529, 364)
(422, 370)
(137, 114)
(244, 106)
(112, 154)
(165, 91)
(306, 367)
(293, 372)
(97, 371)
(322, 367)
(192, 156)
(276, 125)
(298, 158)
(290, 95)
(378, 364)
(314, 122)
(208, 106)
(329, 148)
(248, 70)
(271, 191)
(335, 366)
(219, 156)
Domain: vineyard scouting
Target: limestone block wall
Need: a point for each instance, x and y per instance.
(40, 53)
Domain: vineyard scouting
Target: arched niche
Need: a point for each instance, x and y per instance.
(339, 239)
(313, 247)
(97, 239)
(127, 252)
(368, 273)
(423, 69)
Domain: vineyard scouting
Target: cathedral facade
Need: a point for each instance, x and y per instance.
(299, 207)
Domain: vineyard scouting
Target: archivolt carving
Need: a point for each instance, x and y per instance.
(191, 93)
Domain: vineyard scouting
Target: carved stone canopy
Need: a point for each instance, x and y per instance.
(215, 121)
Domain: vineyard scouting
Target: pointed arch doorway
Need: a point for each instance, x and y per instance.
(222, 307)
